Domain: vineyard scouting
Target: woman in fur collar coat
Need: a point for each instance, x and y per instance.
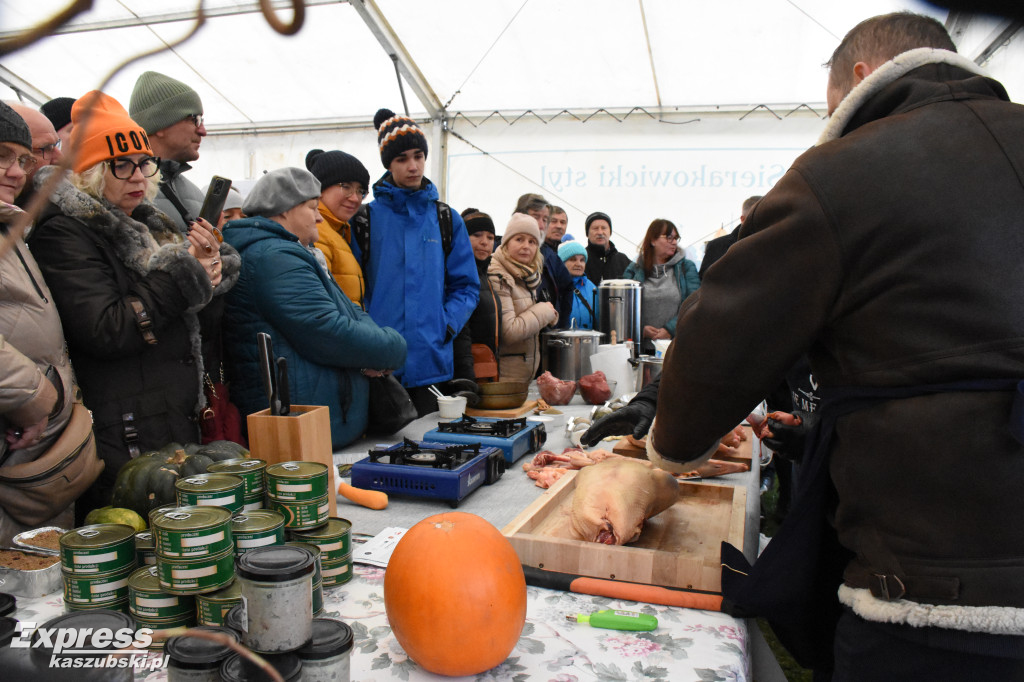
(515, 271)
(130, 290)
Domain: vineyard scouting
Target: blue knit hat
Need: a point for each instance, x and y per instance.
(569, 249)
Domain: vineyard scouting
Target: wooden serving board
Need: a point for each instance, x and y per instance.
(681, 547)
(743, 455)
(509, 413)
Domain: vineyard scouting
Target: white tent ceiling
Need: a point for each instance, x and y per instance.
(545, 67)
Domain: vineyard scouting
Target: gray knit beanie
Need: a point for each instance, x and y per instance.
(13, 127)
(280, 190)
(159, 101)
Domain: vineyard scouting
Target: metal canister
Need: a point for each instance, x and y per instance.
(618, 311)
(145, 549)
(337, 572)
(211, 490)
(212, 608)
(192, 532)
(119, 605)
(318, 584)
(99, 548)
(148, 599)
(196, 576)
(257, 528)
(302, 515)
(249, 470)
(297, 481)
(94, 588)
(334, 538)
(157, 624)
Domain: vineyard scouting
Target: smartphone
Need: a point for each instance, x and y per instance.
(213, 204)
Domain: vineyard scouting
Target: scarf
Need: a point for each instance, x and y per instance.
(529, 274)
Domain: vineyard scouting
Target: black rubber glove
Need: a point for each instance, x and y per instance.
(635, 418)
(789, 441)
(465, 388)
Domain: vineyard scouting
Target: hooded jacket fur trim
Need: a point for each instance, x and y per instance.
(998, 620)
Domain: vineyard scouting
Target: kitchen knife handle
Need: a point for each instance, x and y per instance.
(265, 347)
(282, 387)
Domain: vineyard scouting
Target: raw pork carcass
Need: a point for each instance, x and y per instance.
(594, 388)
(554, 391)
(614, 497)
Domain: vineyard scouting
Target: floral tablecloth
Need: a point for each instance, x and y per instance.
(688, 644)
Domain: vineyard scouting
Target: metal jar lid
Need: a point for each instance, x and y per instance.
(334, 528)
(191, 517)
(330, 638)
(9, 627)
(234, 618)
(196, 653)
(239, 669)
(619, 284)
(275, 564)
(239, 465)
(208, 483)
(96, 536)
(297, 470)
(94, 619)
(256, 520)
(8, 604)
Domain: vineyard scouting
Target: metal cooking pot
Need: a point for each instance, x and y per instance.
(618, 311)
(648, 369)
(567, 352)
(501, 395)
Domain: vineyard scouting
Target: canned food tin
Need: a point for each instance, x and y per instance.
(115, 605)
(99, 548)
(249, 504)
(249, 470)
(212, 608)
(158, 625)
(97, 587)
(146, 598)
(162, 508)
(300, 515)
(297, 481)
(145, 550)
(196, 576)
(315, 551)
(337, 572)
(211, 490)
(192, 532)
(333, 538)
(318, 599)
(256, 528)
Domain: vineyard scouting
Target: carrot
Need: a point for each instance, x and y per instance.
(373, 499)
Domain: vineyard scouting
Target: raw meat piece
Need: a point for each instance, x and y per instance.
(614, 497)
(554, 391)
(546, 477)
(594, 388)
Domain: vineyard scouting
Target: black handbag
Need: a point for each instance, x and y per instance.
(391, 408)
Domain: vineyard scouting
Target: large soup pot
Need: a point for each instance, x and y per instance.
(648, 369)
(567, 352)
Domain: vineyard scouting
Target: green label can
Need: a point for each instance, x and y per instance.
(297, 481)
(145, 550)
(96, 587)
(213, 607)
(192, 532)
(115, 605)
(256, 528)
(99, 548)
(333, 538)
(159, 624)
(211, 490)
(249, 470)
(300, 515)
(146, 598)
(253, 503)
(337, 572)
(196, 576)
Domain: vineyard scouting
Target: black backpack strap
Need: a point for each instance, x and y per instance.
(165, 189)
(360, 224)
(586, 305)
(444, 223)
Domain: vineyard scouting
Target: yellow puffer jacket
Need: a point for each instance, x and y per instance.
(343, 266)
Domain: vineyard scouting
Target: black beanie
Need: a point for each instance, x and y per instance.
(397, 134)
(597, 215)
(58, 110)
(13, 127)
(336, 167)
(477, 222)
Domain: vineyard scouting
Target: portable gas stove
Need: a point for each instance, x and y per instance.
(515, 437)
(443, 471)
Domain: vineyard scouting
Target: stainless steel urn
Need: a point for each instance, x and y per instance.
(618, 312)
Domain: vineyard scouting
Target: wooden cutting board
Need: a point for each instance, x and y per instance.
(743, 453)
(509, 413)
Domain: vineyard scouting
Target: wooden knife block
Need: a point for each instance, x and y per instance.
(303, 435)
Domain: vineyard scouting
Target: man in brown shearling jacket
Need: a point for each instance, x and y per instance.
(892, 254)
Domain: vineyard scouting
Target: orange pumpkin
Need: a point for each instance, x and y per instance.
(455, 594)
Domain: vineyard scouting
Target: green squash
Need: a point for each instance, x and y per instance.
(147, 481)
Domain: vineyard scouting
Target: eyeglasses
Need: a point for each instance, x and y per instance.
(197, 119)
(124, 169)
(353, 188)
(8, 158)
(46, 151)
(673, 238)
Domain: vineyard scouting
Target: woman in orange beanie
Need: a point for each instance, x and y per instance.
(135, 297)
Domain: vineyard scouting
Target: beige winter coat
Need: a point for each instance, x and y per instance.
(522, 319)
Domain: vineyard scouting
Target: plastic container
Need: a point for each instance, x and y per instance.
(451, 407)
(277, 595)
(327, 658)
(195, 659)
